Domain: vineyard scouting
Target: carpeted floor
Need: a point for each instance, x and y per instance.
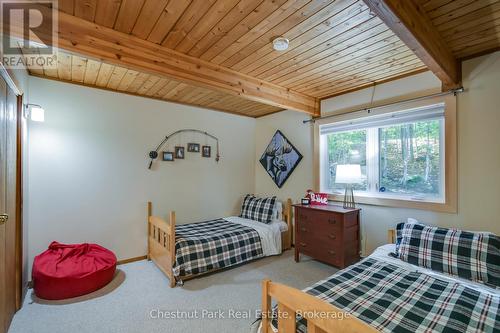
(140, 291)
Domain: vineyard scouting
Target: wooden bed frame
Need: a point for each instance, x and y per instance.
(323, 317)
(161, 241)
(291, 300)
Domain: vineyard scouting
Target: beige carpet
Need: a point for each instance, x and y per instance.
(139, 290)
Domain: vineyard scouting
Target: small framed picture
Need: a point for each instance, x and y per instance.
(206, 151)
(193, 147)
(168, 156)
(179, 152)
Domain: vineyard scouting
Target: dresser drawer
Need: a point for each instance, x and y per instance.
(308, 215)
(319, 221)
(327, 233)
(332, 219)
(329, 253)
(319, 234)
(333, 237)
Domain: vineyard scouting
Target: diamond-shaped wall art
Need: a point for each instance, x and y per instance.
(280, 158)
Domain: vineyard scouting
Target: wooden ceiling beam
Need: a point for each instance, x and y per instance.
(110, 46)
(409, 21)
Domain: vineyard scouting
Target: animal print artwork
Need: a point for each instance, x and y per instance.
(280, 158)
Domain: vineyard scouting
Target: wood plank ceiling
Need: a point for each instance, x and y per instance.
(92, 73)
(469, 27)
(336, 46)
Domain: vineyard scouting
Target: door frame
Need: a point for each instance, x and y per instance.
(13, 84)
(20, 289)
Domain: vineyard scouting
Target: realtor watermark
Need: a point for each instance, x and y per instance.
(29, 33)
(241, 314)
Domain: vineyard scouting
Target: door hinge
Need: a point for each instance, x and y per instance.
(4, 218)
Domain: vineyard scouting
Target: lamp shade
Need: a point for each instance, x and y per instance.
(348, 174)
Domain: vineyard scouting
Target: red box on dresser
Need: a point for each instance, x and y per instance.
(327, 233)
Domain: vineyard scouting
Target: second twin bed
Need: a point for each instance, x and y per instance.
(189, 250)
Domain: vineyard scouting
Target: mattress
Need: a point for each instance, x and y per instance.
(270, 234)
(393, 296)
(206, 246)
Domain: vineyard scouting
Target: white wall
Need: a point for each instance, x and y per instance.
(88, 176)
(88, 179)
(478, 150)
(301, 136)
(409, 87)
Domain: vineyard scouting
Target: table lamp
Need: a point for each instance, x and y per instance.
(348, 174)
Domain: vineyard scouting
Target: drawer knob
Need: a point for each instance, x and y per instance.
(303, 244)
(332, 236)
(332, 221)
(332, 252)
(303, 229)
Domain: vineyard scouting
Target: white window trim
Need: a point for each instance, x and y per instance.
(448, 148)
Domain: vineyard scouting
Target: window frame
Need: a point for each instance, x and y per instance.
(448, 143)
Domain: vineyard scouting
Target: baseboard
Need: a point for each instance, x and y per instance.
(129, 260)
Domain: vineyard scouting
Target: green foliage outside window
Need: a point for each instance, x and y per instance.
(409, 157)
(347, 148)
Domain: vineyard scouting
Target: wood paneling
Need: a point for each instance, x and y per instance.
(237, 34)
(92, 73)
(167, 20)
(98, 42)
(413, 26)
(149, 14)
(106, 12)
(469, 27)
(335, 45)
(186, 21)
(85, 9)
(127, 15)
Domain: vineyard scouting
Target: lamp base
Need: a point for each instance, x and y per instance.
(349, 197)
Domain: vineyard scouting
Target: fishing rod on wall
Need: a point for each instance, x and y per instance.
(154, 153)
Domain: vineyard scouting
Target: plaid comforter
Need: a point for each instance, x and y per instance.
(393, 299)
(205, 246)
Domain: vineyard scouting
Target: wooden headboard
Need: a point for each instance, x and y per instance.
(287, 236)
(391, 236)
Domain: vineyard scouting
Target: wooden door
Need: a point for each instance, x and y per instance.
(8, 195)
(3, 203)
(11, 194)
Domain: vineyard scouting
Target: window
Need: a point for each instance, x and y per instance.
(346, 148)
(401, 153)
(410, 159)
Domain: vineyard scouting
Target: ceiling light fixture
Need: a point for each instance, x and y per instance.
(280, 43)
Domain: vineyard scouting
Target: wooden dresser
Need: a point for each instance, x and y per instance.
(327, 233)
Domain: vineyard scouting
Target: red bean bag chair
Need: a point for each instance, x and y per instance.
(70, 270)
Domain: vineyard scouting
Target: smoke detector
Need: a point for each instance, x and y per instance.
(280, 43)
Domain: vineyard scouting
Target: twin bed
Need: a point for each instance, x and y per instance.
(186, 251)
(431, 280)
(384, 293)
